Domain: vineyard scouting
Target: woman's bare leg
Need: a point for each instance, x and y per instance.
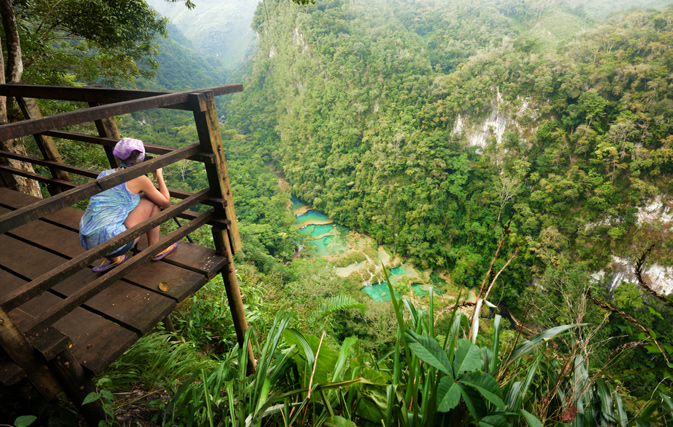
(145, 209)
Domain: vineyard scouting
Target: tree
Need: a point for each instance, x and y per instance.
(91, 41)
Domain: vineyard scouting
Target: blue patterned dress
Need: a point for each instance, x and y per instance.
(105, 216)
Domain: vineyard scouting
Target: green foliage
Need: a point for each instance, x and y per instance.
(25, 421)
(92, 41)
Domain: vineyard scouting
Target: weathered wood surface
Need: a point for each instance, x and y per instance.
(97, 93)
(44, 282)
(110, 142)
(103, 324)
(57, 121)
(210, 138)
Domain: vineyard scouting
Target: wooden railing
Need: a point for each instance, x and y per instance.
(105, 104)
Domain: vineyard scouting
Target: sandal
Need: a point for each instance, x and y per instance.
(109, 263)
(162, 254)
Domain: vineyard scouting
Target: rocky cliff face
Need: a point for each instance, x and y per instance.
(504, 117)
(622, 269)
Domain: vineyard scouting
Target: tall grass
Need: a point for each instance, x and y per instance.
(433, 377)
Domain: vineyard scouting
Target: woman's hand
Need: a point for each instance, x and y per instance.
(159, 174)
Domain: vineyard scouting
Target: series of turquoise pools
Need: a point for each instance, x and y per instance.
(330, 240)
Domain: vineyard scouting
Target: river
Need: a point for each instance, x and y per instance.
(334, 241)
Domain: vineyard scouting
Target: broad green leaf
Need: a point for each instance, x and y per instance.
(448, 394)
(467, 358)
(668, 402)
(486, 385)
(415, 317)
(544, 336)
(373, 376)
(343, 357)
(493, 362)
(517, 392)
(24, 420)
(513, 394)
(474, 402)
(606, 401)
(428, 350)
(372, 404)
(531, 419)
(309, 344)
(494, 421)
(652, 349)
(91, 397)
(337, 421)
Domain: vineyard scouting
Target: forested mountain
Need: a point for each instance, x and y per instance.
(216, 28)
(370, 110)
(181, 67)
(358, 105)
(526, 141)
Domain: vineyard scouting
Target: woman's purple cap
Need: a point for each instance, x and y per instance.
(125, 147)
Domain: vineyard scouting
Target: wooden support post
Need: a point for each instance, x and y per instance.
(210, 138)
(233, 292)
(227, 242)
(77, 385)
(22, 353)
(45, 143)
(107, 128)
(168, 323)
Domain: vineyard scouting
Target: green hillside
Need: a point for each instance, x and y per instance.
(181, 67)
(505, 151)
(220, 29)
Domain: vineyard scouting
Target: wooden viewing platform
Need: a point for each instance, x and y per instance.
(61, 323)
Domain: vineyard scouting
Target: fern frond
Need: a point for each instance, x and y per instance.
(339, 302)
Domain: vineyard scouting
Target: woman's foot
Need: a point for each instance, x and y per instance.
(162, 254)
(109, 263)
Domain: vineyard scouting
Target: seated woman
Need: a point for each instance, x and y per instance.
(115, 210)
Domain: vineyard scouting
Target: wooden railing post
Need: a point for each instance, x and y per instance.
(77, 385)
(107, 127)
(22, 353)
(227, 242)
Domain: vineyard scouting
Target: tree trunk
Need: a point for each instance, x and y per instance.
(12, 73)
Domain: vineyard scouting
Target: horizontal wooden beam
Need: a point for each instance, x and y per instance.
(68, 198)
(110, 142)
(37, 177)
(98, 94)
(57, 121)
(50, 164)
(29, 290)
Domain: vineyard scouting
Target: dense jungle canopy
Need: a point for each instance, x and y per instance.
(448, 131)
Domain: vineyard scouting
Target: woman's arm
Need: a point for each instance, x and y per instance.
(160, 197)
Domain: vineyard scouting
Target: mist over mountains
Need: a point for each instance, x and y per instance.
(215, 28)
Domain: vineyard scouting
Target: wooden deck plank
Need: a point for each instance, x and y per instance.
(9, 282)
(181, 282)
(10, 372)
(23, 258)
(124, 303)
(131, 306)
(96, 340)
(68, 217)
(197, 258)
